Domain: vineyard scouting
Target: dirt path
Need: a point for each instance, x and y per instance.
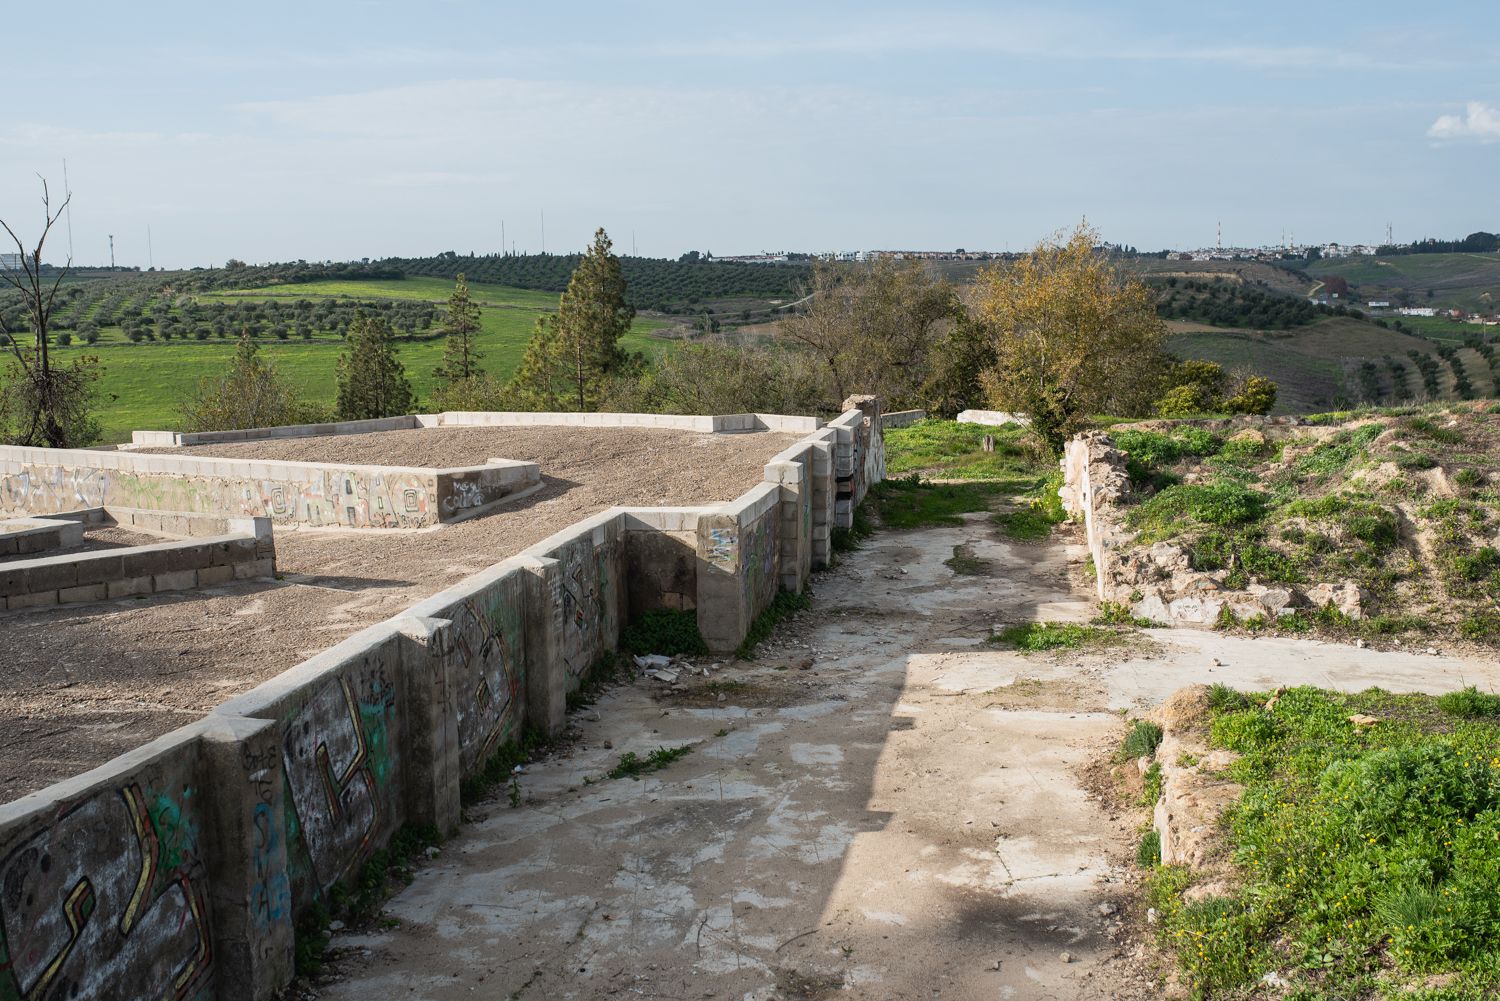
(881, 807)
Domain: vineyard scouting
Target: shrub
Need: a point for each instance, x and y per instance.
(1470, 703)
(1142, 740)
(1148, 852)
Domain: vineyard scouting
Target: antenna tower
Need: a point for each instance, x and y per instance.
(111, 251)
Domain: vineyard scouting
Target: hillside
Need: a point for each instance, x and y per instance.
(155, 340)
(1450, 281)
(1387, 514)
(654, 283)
(1341, 361)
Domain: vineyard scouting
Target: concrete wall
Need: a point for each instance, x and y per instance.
(721, 423)
(48, 480)
(902, 418)
(178, 869)
(246, 551)
(20, 536)
(994, 418)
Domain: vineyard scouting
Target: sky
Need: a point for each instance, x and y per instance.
(343, 130)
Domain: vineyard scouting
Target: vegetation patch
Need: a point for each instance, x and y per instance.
(633, 766)
(1034, 637)
(671, 632)
(784, 606)
(1365, 849)
(915, 503)
(941, 449)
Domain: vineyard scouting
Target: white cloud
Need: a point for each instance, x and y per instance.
(1479, 121)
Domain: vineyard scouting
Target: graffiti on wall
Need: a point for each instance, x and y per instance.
(338, 759)
(722, 547)
(354, 500)
(485, 640)
(106, 901)
(585, 604)
(758, 562)
(270, 891)
(52, 489)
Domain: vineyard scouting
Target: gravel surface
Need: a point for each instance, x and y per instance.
(81, 684)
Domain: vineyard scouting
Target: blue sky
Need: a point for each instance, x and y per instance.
(338, 130)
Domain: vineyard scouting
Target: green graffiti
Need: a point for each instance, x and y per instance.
(372, 717)
(176, 833)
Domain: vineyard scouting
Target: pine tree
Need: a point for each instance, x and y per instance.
(460, 354)
(575, 351)
(371, 380)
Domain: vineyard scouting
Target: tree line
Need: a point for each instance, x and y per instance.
(1059, 334)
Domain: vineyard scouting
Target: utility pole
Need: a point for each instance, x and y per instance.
(68, 194)
(111, 251)
(544, 230)
(503, 244)
(150, 253)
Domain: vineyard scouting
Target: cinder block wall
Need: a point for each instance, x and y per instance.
(215, 837)
(48, 480)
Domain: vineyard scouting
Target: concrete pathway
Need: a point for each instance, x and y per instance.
(878, 807)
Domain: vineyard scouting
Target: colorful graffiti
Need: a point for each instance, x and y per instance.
(337, 755)
(105, 902)
(270, 892)
(485, 639)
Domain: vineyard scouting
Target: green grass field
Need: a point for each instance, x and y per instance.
(149, 380)
(422, 289)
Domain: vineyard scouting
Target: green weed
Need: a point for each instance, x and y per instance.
(633, 766)
(1037, 636)
(668, 631)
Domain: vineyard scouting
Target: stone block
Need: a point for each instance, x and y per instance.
(51, 575)
(211, 576)
(258, 568)
(83, 592)
(100, 569)
(128, 587)
(177, 580)
(36, 599)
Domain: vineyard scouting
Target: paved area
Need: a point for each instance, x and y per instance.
(880, 806)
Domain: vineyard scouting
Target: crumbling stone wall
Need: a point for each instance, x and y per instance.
(1158, 582)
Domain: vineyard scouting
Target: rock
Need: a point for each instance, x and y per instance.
(335, 926)
(1192, 802)
(1432, 651)
(1361, 719)
(1275, 600)
(1347, 597)
(1066, 957)
(1106, 909)
(1248, 435)
(1151, 915)
(1183, 709)
(1170, 558)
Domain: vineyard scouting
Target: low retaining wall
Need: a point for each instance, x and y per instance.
(902, 418)
(40, 481)
(245, 551)
(178, 869)
(20, 536)
(994, 418)
(458, 418)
